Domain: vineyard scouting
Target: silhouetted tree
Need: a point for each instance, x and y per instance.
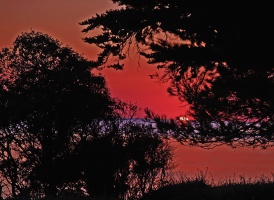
(48, 93)
(61, 132)
(217, 56)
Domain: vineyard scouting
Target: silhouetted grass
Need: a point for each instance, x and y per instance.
(228, 192)
(203, 187)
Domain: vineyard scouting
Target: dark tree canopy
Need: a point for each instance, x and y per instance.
(43, 72)
(48, 94)
(217, 56)
(62, 133)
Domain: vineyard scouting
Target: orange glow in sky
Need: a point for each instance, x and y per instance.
(60, 19)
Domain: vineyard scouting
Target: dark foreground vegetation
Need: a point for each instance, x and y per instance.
(200, 188)
(198, 191)
(62, 134)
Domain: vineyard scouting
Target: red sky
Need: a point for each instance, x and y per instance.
(60, 18)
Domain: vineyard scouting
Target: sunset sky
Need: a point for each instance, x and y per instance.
(60, 18)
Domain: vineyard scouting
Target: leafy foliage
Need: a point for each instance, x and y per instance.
(47, 94)
(216, 55)
(126, 160)
(61, 134)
